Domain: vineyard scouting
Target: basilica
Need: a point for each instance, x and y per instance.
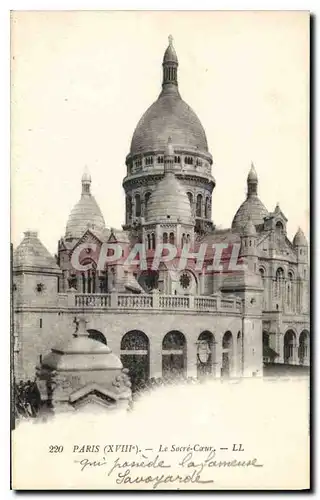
(167, 321)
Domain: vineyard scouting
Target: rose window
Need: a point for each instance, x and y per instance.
(185, 280)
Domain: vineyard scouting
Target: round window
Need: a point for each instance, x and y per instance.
(185, 280)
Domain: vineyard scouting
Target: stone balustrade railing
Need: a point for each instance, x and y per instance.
(156, 300)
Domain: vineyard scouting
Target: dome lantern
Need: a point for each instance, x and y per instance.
(86, 181)
(170, 66)
(252, 182)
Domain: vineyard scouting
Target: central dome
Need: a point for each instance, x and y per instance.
(169, 116)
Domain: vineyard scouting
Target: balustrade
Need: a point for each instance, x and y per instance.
(116, 300)
(173, 302)
(205, 303)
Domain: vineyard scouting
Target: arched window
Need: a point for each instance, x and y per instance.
(160, 159)
(279, 283)
(262, 274)
(129, 207)
(183, 239)
(165, 237)
(177, 159)
(153, 241)
(207, 208)
(148, 241)
(205, 354)
(304, 347)
(290, 290)
(171, 238)
(289, 347)
(190, 200)
(149, 160)
(96, 335)
(138, 205)
(227, 354)
(279, 227)
(174, 355)
(266, 339)
(146, 200)
(135, 356)
(199, 206)
(188, 160)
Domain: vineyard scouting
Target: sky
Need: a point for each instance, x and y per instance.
(81, 80)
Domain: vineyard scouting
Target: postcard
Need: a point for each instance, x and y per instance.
(160, 309)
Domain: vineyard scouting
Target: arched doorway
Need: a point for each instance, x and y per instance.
(174, 355)
(206, 354)
(239, 354)
(96, 335)
(135, 356)
(289, 347)
(304, 347)
(227, 354)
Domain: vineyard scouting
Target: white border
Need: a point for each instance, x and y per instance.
(5, 7)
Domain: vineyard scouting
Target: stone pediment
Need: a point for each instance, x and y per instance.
(93, 402)
(93, 392)
(88, 237)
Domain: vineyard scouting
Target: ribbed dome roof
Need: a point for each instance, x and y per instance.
(251, 208)
(299, 239)
(31, 253)
(169, 116)
(86, 214)
(169, 201)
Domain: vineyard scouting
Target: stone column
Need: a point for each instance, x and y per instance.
(280, 345)
(155, 358)
(201, 283)
(114, 299)
(155, 298)
(79, 283)
(71, 293)
(218, 358)
(192, 359)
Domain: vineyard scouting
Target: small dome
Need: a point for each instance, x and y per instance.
(251, 208)
(82, 353)
(169, 201)
(299, 239)
(86, 214)
(31, 253)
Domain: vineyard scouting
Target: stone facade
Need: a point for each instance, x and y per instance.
(187, 321)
